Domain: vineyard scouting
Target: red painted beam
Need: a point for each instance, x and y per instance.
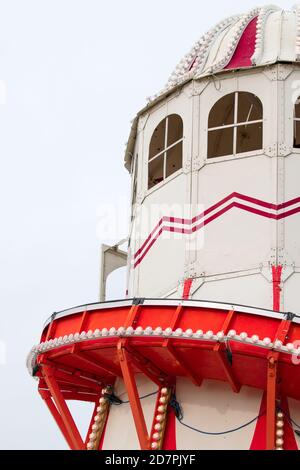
(271, 402)
(135, 403)
(276, 273)
(272, 385)
(46, 396)
(69, 425)
(219, 350)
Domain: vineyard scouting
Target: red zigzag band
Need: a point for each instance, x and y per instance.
(160, 227)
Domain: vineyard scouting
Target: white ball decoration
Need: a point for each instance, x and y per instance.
(148, 331)
(161, 409)
(231, 334)
(163, 400)
(243, 336)
(139, 331)
(255, 339)
(158, 331)
(159, 418)
(178, 332)
(199, 334)
(267, 342)
(168, 332)
(209, 334)
(189, 333)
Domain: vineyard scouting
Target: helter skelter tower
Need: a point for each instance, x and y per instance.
(211, 319)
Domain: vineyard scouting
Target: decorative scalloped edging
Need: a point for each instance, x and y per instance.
(160, 420)
(279, 430)
(260, 32)
(189, 334)
(240, 28)
(99, 422)
(194, 60)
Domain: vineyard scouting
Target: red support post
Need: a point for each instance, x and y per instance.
(276, 273)
(68, 423)
(46, 396)
(135, 403)
(272, 386)
(236, 387)
(271, 402)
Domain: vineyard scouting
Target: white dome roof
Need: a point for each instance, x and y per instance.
(263, 36)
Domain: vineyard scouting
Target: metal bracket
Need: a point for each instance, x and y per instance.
(137, 301)
(112, 259)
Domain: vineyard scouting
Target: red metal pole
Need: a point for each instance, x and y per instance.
(272, 385)
(69, 424)
(271, 402)
(136, 407)
(53, 410)
(276, 272)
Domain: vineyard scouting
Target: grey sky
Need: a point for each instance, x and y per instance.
(76, 71)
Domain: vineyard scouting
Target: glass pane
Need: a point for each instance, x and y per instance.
(174, 159)
(220, 143)
(296, 134)
(222, 113)
(156, 171)
(249, 138)
(249, 107)
(297, 108)
(157, 143)
(175, 129)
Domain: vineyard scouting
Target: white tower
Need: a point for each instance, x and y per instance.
(219, 148)
(213, 263)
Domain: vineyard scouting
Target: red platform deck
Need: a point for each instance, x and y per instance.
(85, 349)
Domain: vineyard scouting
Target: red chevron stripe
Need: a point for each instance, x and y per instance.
(146, 246)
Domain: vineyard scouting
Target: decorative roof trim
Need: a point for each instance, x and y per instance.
(241, 26)
(195, 59)
(264, 14)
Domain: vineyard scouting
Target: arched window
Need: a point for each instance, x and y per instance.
(297, 124)
(235, 125)
(165, 151)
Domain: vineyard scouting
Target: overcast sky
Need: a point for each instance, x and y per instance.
(76, 73)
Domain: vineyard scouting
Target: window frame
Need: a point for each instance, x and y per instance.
(235, 126)
(165, 151)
